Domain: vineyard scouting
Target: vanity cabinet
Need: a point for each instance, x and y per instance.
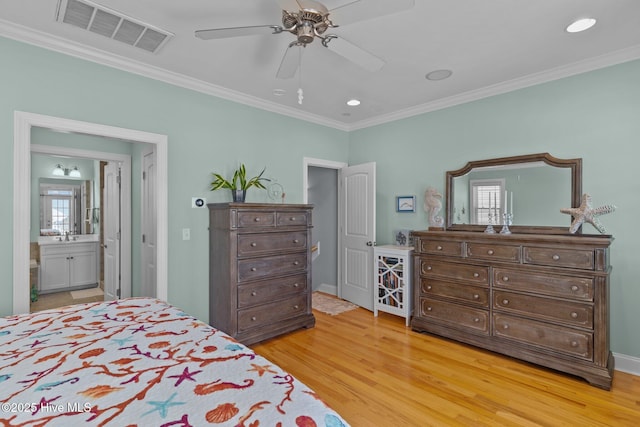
(68, 266)
(259, 269)
(540, 298)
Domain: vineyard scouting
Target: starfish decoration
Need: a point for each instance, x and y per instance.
(586, 213)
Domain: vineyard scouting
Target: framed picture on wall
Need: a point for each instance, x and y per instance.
(406, 203)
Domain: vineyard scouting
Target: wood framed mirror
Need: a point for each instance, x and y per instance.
(537, 186)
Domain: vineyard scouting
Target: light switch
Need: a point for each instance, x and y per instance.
(186, 234)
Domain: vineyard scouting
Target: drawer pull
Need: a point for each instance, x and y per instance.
(429, 287)
(429, 308)
(253, 269)
(296, 241)
(293, 218)
(257, 219)
(295, 307)
(505, 326)
(574, 315)
(296, 262)
(505, 302)
(295, 285)
(505, 279)
(574, 288)
(490, 252)
(574, 344)
(253, 318)
(476, 275)
(476, 320)
(438, 248)
(476, 296)
(254, 293)
(555, 257)
(428, 268)
(254, 244)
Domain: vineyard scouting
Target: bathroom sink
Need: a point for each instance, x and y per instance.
(75, 238)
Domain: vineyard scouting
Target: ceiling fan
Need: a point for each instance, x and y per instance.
(310, 19)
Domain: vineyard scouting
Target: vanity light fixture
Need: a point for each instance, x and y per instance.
(581, 25)
(353, 102)
(62, 171)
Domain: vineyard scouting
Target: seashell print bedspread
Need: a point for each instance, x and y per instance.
(142, 362)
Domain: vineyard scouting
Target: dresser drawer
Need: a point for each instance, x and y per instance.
(440, 247)
(580, 288)
(507, 253)
(571, 313)
(571, 258)
(475, 274)
(272, 312)
(256, 219)
(456, 316)
(288, 219)
(556, 338)
(254, 244)
(470, 294)
(260, 292)
(257, 268)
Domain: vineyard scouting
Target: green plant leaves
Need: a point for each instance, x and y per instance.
(239, 177)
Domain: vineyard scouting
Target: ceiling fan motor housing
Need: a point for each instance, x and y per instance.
(306, 23)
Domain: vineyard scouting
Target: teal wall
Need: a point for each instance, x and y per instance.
(593, 116)
(205, 134)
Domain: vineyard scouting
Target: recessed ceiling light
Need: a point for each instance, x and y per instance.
(353, 102)
(439, 75)
(279, 92)
(581, 25)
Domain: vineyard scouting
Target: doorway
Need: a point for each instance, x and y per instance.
(23, 124)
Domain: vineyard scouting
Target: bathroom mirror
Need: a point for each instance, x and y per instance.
(67, 206)
(537, 186)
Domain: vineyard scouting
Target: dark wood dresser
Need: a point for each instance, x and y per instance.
(540, 298)
(259, 269)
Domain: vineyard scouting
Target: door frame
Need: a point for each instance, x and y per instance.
(308, 162)
(23, 122)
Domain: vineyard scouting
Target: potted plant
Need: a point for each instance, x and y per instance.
(239, 184)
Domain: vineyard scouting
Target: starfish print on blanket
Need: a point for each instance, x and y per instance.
(586, 213)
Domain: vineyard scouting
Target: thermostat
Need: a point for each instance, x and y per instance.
(198, 202)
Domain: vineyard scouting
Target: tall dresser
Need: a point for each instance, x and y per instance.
(540, 298)
(259, 269)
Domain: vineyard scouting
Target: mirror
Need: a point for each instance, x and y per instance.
(67, 206)
(533, 187)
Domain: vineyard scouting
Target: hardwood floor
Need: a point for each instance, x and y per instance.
(377, 372)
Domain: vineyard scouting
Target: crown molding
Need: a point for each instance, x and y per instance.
(57, 44)
(613, 58)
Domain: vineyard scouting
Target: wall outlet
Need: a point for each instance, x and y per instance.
(198, 202)
(186, 234)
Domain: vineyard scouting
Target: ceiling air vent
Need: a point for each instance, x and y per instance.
(109, 23)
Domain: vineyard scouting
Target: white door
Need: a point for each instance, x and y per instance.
(148, 222)
(357, 227)
(111, 206)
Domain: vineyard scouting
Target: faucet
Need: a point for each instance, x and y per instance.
(66, 236)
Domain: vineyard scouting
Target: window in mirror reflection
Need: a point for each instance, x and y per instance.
(486, 200)
(58, 213)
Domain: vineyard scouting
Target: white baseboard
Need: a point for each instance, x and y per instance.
(628, 364)
(328, 289)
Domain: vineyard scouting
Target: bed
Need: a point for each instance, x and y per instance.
(142, 362)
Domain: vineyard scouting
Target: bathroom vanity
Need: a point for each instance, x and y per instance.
(68, 265)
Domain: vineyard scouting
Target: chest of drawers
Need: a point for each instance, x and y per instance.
(539, 298)
(259, 269)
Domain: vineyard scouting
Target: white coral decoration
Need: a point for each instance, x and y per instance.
(586, 213)
(433, 205)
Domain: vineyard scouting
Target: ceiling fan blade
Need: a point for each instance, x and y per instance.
(355, 54)
(290, 62)
(223, 33)
(361, 10)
